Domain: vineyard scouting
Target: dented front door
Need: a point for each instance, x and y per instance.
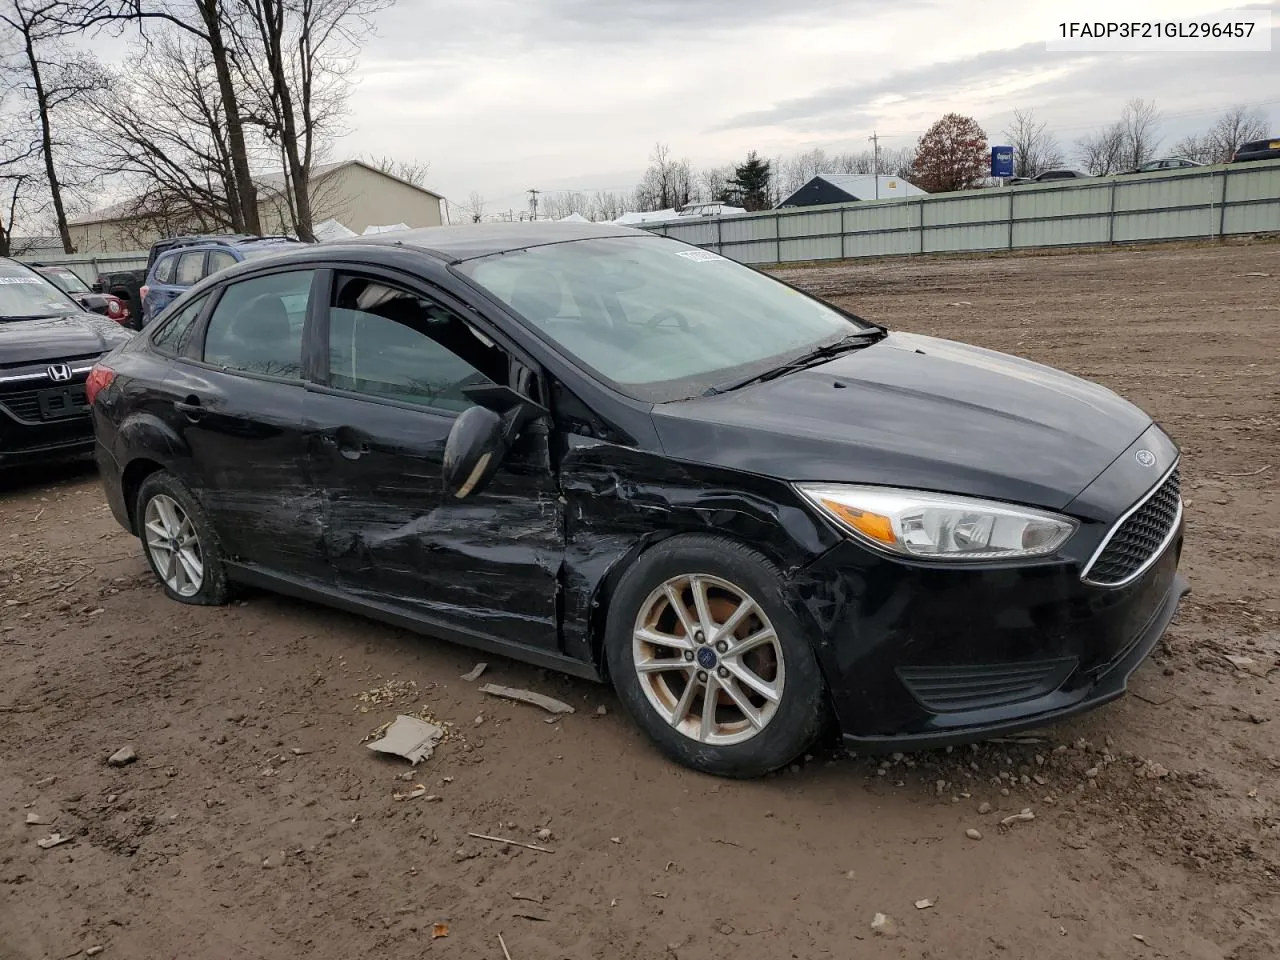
(487, 564)
(397, 366)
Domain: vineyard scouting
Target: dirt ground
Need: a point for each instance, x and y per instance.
(254, 824)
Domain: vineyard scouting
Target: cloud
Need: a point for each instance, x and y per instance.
(503, 95)
(923, 82)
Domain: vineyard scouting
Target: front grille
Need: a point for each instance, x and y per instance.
(25, 404)
(1134, 543)
(977, 687)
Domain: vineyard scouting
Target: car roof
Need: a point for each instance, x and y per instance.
(213, 243)
(469, 241)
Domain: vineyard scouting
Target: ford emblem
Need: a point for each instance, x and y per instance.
(1146, 458)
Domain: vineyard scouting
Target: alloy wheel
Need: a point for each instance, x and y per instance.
(173, 545)
(708, 659)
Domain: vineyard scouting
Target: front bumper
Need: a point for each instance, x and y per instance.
(926, 655)
(1090, 690)
(23, 443)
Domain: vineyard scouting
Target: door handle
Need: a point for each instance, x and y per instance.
(353, 450)
(189, 408)
(349, 443)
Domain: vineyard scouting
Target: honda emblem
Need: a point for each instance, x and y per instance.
(59, 371)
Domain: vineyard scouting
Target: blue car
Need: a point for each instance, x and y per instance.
(190, 260)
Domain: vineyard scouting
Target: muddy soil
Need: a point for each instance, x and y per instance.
(254, 824)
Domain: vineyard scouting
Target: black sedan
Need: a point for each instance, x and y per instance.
(609, 453)
(48, 345)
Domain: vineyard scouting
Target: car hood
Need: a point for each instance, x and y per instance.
(914, 411)
(75, 335)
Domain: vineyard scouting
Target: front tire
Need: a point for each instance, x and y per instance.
(180, 544)
(709, 659)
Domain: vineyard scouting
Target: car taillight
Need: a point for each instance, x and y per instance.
(99, 379)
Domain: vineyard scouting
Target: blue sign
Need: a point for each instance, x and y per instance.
(1002, 161)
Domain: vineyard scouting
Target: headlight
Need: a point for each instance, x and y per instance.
(938, 526)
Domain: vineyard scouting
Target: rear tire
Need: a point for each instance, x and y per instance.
(709, 659)
(179, 542)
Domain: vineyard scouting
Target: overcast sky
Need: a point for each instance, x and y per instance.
(502, 95)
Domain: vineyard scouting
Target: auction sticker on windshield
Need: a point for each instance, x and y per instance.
(35, 280)
(699, 256)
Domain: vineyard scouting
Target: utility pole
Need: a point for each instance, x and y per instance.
(533, 203)
(875, 160)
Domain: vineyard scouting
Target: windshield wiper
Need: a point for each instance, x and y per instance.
(35, 316)
(854, 341)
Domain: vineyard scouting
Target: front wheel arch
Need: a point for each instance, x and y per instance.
(804, 708)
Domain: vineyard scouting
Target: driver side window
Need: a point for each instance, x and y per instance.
(390, 343)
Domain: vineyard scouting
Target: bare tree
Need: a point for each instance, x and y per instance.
(897, 163)
(19, 165)
(52, 76)
(161, 130)
(796, 171)
(1197, 147)
(1237, 126)
(713, 183)
(1035, 149)
(667, 184)
(1140, 130)
(207, 21)
(1103, 151)
(564, 202)
(410, 171)
(853, 163)
(607, 205)
(475, 206)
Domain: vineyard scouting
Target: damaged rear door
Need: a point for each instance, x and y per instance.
(397, 362)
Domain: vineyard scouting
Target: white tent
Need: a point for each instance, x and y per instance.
(389, 228)
(652, 216)
(331, 229)
(574, 218)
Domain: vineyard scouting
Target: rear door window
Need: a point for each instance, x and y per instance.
(172, 337)
(257, 325)
(165, 269)
(190, 268)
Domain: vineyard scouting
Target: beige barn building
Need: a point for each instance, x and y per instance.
(352, 192)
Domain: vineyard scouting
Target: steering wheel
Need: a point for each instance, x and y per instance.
(663, 315)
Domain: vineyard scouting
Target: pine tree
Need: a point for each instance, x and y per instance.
(749, 185)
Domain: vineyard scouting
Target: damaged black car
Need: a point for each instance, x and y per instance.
(616, 455)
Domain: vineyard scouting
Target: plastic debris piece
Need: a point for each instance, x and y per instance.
(410, 738)
(474, 673)
(439, 930)
(924, 904)
(414, 794)
(51, 841)
(1026, 814)
(550, 704)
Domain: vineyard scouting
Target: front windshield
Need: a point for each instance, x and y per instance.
(658, 319)
(24, 294)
